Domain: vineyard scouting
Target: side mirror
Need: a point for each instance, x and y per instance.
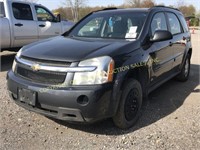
(161, 35)
(58, 18)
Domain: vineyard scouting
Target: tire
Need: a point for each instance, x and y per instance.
(130, 105)
(185, 71)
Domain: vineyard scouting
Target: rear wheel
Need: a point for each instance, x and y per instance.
(185, 72)
(130, 105)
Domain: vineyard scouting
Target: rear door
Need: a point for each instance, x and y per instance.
(24, 26)
(161, 53)
(46, 22)
(179, 39)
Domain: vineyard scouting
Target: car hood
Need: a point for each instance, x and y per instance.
(70, 49)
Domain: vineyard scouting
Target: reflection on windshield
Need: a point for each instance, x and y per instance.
(121, 26)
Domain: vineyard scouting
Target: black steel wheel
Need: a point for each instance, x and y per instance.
(129, 106)
(185, 71)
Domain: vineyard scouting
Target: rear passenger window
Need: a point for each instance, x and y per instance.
(2, 11)
(184, 24)
(158, 23)
(22, 11)
(174, 24)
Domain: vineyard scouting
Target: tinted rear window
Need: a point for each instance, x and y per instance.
(2, 11)
(22, 11)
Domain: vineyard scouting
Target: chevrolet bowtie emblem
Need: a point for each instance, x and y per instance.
(35, 67)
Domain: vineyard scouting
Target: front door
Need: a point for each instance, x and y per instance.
(47, 24)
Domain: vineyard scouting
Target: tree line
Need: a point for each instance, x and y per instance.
(76, 9)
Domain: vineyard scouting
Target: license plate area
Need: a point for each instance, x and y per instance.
(27, 96)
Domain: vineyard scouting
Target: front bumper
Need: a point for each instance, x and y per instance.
(75, 103)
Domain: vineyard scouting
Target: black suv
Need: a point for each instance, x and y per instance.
(104, 66)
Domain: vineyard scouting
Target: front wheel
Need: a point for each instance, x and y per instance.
(129, 106)
(185, 72)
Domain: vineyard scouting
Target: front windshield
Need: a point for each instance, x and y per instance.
(124, 25)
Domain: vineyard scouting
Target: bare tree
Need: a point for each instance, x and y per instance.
(147, 3)
(140, 3)
(75, 6)
(134, 3)
(187, 10)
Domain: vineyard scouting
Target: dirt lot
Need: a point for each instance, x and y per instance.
(170, 120)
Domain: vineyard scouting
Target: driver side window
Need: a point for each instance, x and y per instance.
(43, 14)
(158, 23)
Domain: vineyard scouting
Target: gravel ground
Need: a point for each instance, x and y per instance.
(170, 120)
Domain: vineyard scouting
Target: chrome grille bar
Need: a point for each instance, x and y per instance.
(40, 66)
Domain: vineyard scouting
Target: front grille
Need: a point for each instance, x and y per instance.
(47, 62)
(45, 77)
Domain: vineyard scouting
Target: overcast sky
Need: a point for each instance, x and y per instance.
(53, 4)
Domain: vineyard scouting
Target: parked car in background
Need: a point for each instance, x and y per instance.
(104, 66)
(22, 23)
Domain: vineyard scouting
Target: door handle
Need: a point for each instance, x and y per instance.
(170, 43)
(18, 24)
(42, 25)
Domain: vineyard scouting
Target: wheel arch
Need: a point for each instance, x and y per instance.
(141, 74)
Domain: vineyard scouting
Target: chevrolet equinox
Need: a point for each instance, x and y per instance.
(104, 66)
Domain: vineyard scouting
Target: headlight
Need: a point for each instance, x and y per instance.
(14, 62)
(103, 73)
